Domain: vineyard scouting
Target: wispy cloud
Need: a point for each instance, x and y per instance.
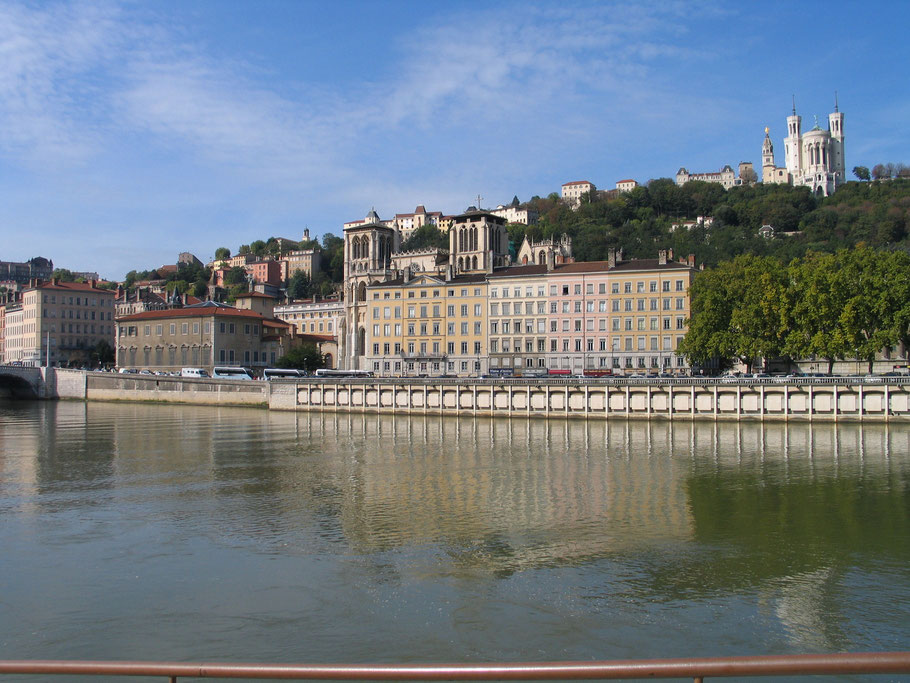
(51, 105)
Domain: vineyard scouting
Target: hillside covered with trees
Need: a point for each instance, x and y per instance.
(640, 221)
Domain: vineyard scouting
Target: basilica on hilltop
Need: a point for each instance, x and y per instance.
(814, 159)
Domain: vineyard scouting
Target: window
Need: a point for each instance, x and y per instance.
(680, 286)
(666, 286)
(464, 310)
(184, 328)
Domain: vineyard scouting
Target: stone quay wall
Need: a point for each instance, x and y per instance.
(810, 400)
(884, 399)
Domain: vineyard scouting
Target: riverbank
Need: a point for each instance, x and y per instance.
(820, 399)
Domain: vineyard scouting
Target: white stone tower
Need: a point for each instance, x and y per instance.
(792, 143)
(478, 242)
(836, 128)
(368, 247)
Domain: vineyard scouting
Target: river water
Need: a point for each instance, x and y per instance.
(228, 534)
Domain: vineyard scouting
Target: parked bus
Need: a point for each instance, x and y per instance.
(282, 373)
(231, 372)
(325, 372)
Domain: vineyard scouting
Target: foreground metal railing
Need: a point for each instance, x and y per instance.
(695, 668)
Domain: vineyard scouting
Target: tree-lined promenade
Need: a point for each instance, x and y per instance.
(850, 304)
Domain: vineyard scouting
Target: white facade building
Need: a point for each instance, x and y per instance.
(814, 159)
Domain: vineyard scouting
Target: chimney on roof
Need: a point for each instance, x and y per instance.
(691, 260)
(611, 257)
(55, 280)
(406, 275)
(662, 257)
(551, 260)
(93, 283)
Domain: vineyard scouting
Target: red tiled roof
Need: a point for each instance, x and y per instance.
(316, 337)
(201, 312)
(627, 180)
(73, 287)
(578, 182)
(254, 295)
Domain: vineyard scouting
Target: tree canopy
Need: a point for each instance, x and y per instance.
(849, 304)
(303, 357)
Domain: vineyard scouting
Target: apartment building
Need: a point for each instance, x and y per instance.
(519, 319)
(572, 192)
(202, 335)
(517, 214)
(58, 323)
(427, 325)
(627, 315)
(319, 320)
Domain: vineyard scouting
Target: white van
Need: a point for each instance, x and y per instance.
(193, 372)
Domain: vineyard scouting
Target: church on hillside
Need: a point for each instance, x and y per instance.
(814, 159)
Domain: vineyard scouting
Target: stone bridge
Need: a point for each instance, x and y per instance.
(22, 382)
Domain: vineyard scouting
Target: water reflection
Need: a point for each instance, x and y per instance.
(564, 534)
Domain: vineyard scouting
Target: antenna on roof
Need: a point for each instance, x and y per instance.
(479, 199)
(835, 101)
(794, 105)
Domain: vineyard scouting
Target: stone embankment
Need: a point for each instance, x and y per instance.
(880, 399)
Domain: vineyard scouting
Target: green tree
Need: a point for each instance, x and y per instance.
(862, 172)
(222, 253)
(816, 309)
(235, 276)
(426, 236)
(299, 285)
(200, 289)
(180, 285)
(63, 275)
(258, 247)
(303, 357)
(738, 312)
(102, 354)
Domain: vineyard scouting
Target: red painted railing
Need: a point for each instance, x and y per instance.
(694, 668)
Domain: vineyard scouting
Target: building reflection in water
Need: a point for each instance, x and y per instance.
(691, 510)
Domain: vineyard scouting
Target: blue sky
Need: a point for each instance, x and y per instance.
(132, 131)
